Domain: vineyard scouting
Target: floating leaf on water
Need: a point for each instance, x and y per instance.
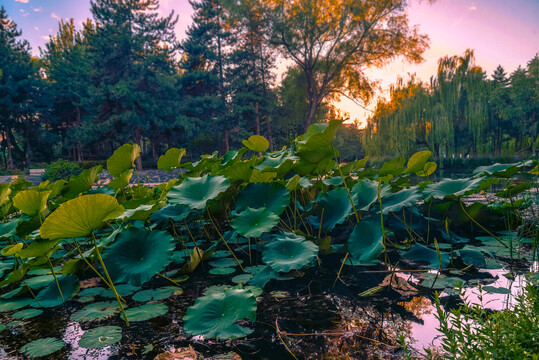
(122, 289)
(441, 282)
(242, 278)
(263, 276)
(216, 315)
(137, 255)
(93, 291)
(220, 254)
(222, 270)
(27, 314)
(254, 222)
(146, 312)
(96, 311)
(195, 192)
(80, 216)
(472, 257)
(85, 299)
(14, 323)
(422, 254)
(225, 262)
(2, 327)
(289, 253)
(42, 347)
(365, 243)
(14, 304)
(155, 294)
(497, 290)
(100, 337)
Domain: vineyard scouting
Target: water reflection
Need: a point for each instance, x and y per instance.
(72, 336)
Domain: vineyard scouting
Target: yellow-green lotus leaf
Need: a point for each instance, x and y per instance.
(256, 143)
(171, 159)
(31, 202)
(80, 216)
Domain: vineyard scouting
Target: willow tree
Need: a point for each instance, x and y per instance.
(333, 42)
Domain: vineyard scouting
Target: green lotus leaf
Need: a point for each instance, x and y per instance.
(2, 327)
(171, 160)
(225, 262)
(11, 249)
(93, 291)
(241, 170)
(336, 208)
(5, 190)
(417, 162)
(472, 257)
(222, 270)
(273, 196)
(195, 192)
(155, 294)
(333, 181)
(31, 202)
(146, 312)
(452, 188)
(11, 305)
(428, 169)
(497, 290)
(50, 296)
(423, 254)
(366, 243)
(122, 180)
(38, 248)
(262, 177)
(279, 161)
(96, 311)
(364, 194)
(83, 182)
(137, 255)
(39, 282)
(216, 315)
(289, 253)
(254, 222)
(8, 229)
(122, 290)
(15, 275)
(441, 282)
(80, 216)
(319, 135)
(42, 347)
(100, 337)
(497, 169)
(262, 275)
(394, 166)
(175, 213)
(256, 143)
(27, 314)
(122, 159)
(242, 278)
(404, 198)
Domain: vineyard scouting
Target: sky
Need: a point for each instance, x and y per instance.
(502, 32)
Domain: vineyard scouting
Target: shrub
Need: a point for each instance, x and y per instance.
(60, 169)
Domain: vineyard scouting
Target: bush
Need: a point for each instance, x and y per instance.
(60, 169)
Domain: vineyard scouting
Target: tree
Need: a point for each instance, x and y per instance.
(19, 86)
(132, 51)
(334, 41)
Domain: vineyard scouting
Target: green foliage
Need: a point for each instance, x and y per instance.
(100, 337)
(59, 170)
(289, 252)
(42, 347)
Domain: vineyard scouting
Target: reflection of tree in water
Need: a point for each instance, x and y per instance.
(418, 306)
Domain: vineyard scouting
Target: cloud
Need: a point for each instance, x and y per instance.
(25, 14)
(45, 37)
(36, 28)
(472, 8)
(53, 15)
(22, 1)
(36, 9)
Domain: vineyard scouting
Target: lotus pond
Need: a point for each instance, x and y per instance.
(256, 254)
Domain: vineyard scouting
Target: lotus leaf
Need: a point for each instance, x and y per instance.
(11, 249)
(38, 248)
(38, 282)
(254, 222)
(417, 162)
(93, 291)
(256, 143)
(225, 262)
(8, 229)
(171, 160)
(336, 206)
(83, 182)
(222, 271)
(50, 296)
(289, 253)
(273, 196)
(42, 347)
(421, 253)
(123, 159)
(472, 257)
(262, 276)
(155, 294)
(364, 194)
(453, 188)
(80, 216)
(14, 304)
(5, 190)
(122, 289)
(27, 314)
(137, 255)
(319, 135)
(428, 169)
(441, 282)
(100, 337)
(262, 177)
(280, 161)
(170, 212)
(2, 327)
(96, 311)
(404, 198)
(216, 315)
(31, 202)
(242, 278)
(146, 312)
(366, 243)
(497, 169)
(497, 290)
(122, 180)
(195, 192)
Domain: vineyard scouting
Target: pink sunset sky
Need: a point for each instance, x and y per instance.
(502, 32)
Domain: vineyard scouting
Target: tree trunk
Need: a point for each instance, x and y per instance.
(138, 141)
(10, 164)
(257, 119)
(226, 142)
(155, 153)
(270, 133)
(310, 117)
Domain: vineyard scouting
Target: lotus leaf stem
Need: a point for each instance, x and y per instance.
(340, 269)
(481, 226)
(55, 278)
(169, 279)
(223, 239)
(345, 186)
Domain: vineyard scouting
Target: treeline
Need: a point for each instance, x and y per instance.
(460, 112)
(124, 77)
